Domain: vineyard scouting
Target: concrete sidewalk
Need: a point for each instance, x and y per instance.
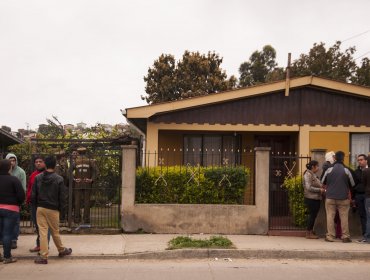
(153, 246)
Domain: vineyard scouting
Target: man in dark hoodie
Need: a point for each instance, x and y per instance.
(48, 194)
(39, 168)
(18, 172)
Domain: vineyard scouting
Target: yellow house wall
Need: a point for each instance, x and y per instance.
(310, 137)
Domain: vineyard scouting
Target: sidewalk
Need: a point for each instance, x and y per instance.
(153, 246)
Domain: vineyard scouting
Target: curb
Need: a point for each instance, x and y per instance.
(227, 254)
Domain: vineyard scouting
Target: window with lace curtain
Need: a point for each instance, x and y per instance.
(360, 144)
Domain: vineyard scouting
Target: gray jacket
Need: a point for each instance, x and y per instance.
(312, 185)
(338, 180)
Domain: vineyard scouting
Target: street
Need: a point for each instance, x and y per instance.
(91, 269)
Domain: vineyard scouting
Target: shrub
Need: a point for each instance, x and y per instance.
(297, 207)
(188, 242)
(188, 185)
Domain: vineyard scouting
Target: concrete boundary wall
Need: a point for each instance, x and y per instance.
(195, 218)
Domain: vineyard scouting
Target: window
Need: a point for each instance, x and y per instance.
(360, 144)
(211, 149)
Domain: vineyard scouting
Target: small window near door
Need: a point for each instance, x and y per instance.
(360, 144)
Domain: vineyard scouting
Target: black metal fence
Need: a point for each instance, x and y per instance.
(286, 210)
(169, 172)
(93, 204)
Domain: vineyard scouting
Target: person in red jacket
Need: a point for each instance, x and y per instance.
(39, 168)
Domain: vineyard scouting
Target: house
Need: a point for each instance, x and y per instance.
(310, 113)
(7, 139)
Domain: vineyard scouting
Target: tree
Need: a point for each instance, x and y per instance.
(260, 68)
(362, 75)
(161, 82)
(195, 74)
(330, 63)
(53, 129)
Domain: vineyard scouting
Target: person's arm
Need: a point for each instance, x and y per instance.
(308, 180)
(34, 192)
(23, 180)
(19, 192)
(62, 195)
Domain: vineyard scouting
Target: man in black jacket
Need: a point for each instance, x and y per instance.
(48, 194)
(359, 192)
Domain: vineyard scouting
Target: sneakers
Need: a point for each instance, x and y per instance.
(311, 235)
(40, 260)
(328, 239)
(35, 250)
(362, 241)
(346, 240)
(66, 252)
(9, 260)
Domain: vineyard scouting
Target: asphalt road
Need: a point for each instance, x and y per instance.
(186, 269)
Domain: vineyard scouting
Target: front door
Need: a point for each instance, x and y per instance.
(282, 156)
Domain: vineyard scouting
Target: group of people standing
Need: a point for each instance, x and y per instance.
(340, 187)
(47, 194)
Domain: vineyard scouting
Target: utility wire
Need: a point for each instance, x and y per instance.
(355, 36)
(362, 55)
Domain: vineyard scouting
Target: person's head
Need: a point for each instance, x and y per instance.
(313, 165)
(339, 156)
(50, 162)
(5, 166)
(74, 154)
(330, 157)
(39, 163)
(81, 150)
(362, 160)
(12, 158)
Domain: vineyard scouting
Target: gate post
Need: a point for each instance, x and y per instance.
(262, 183)
(128, 179)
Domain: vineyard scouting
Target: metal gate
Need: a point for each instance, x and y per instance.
(282, 200)
(96, 204)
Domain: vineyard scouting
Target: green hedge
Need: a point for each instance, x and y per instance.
(297, 207)
(213, 185)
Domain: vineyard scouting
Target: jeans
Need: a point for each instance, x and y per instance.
(313, 206)
(8, 221)
(331, 205)
(360, 202)
(16, 229)
(367, 207)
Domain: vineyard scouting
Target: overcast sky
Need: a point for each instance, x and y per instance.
(84, 60)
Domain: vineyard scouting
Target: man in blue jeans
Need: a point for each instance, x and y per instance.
(18, 172)
(366, 182)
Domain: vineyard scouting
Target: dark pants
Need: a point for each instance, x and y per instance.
(8, 221)
(360, 202)
(34, 221)
(313, 206)
(16, 229)
(84, 196)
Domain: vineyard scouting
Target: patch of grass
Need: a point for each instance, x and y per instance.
(188, 242)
